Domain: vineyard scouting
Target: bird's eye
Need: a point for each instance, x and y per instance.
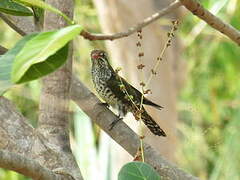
(101, 54)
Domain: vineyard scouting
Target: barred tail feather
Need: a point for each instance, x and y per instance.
(151, 124)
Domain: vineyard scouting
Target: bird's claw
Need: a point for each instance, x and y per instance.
(104, 104)
(114, 123)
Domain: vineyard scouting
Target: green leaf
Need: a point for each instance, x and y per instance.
(38, 54)
(43, 5)
(13, 8)
(137, 171)
(6, 62)
(49, 65)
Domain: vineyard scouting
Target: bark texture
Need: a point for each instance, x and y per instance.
(54, 103)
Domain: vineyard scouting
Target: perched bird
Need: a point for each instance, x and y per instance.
(118, 93)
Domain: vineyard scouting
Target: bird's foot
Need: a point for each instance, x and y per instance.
(104, 104)
(115, 122)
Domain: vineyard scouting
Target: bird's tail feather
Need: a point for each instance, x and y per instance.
(151, 124)
(148, 102)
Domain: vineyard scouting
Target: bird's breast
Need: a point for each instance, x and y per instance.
(106, 94)
(100, 79)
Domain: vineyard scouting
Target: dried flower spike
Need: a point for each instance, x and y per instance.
(138, 44)
(142, 84)
(118, 69)
(140, 66)
(122, 87)
(148, 91)
(153, 72)
(138, 155)
(140, 54)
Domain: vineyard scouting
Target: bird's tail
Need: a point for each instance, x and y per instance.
(148, 102)
(151, 124)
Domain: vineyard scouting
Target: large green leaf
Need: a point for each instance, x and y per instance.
(13, 8)
(138, 171)
(38, 54)
(43, 5)
(6, 62)
(41, 69)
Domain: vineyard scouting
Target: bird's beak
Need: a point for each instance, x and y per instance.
(95, 56)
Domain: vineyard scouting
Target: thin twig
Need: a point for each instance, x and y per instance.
(197, 9)
(145, 22)
(12, 25)
(140, 55)
(159, 59)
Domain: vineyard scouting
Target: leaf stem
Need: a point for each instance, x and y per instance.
(43, 5)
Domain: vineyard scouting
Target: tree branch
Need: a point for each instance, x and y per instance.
(145, 22)
(191, 5)
(18, 137)
(12, 25)
(197, 9)
(25, 166)
(121, 133)
(44, 149)
(22, 25)
(54, 120)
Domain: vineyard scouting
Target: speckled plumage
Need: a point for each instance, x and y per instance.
(109, 85)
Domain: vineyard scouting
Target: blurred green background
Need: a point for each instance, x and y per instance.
(208, 106)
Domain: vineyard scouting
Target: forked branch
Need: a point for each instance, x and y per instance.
(91, 36)
(197, 9)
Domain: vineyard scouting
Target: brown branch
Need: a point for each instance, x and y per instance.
(93, 36)
(145, 22)
(17, 136)
(197, 9)
(26, 166)
(22, 25)
(121, 133)
(191, 5)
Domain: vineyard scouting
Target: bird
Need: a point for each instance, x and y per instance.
(119, 94)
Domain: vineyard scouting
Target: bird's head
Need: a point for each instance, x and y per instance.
(100, 65)
(99, 57)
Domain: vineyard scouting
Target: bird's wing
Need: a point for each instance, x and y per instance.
(119, 86)
(115, 84)
(138, 95)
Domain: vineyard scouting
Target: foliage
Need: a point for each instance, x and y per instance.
(13, 8)
(209, 103)
(6, 62)
(137, 171)
(43, 5)
(43, 54)
(11, 175)
(36, 55)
